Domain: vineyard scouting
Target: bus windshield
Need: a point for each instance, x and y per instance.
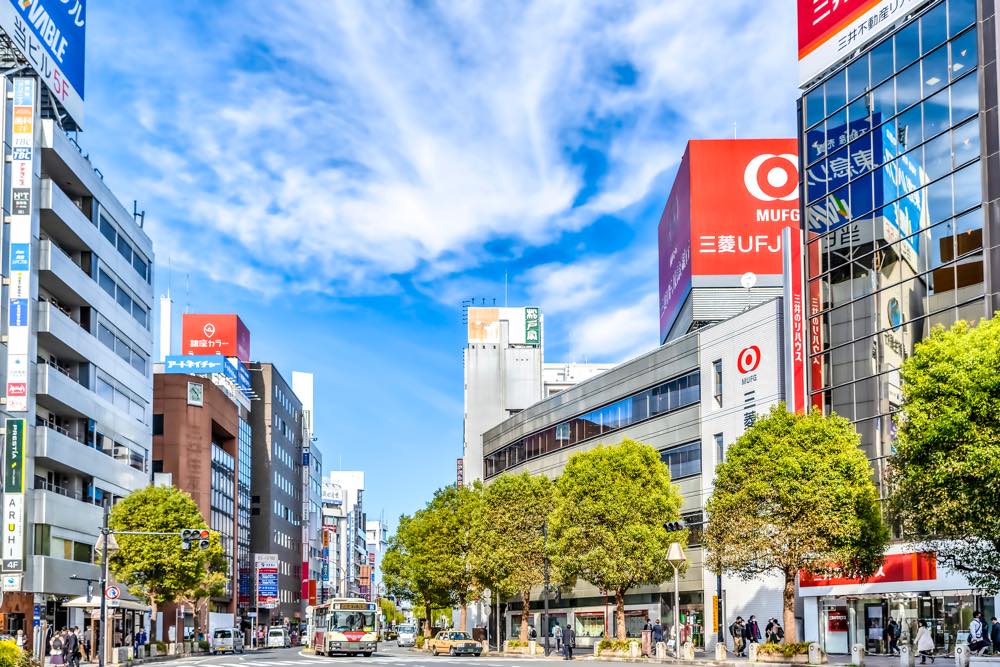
(357, 621)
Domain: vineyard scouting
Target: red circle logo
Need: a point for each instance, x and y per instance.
(748, 359)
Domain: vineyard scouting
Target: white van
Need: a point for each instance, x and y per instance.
(277, 637)
(406, 635)
(226, 639)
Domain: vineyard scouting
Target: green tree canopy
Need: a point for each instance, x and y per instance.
(795, 494)
(412, 567)
(509, 545)
(607, 525)
(945, 474)
(156, 568)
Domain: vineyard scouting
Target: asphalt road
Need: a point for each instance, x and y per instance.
(388, 654)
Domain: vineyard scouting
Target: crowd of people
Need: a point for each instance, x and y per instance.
(68, 646)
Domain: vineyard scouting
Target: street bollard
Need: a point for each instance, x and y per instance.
(905, 656)
(687, 651)
(720, 651)
(634, 650)
(962, 655)
(858, 654)
(752, 652)
(661, 651)
(532, 647)
(815, 654)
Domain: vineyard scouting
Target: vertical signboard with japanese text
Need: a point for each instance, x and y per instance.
(532, 327)
(266, 572)
(674, 238)
(51, 35)
(13, 496)
(19, 247)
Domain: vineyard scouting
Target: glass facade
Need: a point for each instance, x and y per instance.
(243, 558)
(892, 202)
(677, 393)
(223, 502)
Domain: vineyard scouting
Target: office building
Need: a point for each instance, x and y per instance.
(76, 354)
(898, 137)
(332, 568)
(312, 492)
(277, 493)
(196, 442)
(690, 399)
(377, 539)
(720, 234)
(345, 490)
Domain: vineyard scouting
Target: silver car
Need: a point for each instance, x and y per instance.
(226, 639)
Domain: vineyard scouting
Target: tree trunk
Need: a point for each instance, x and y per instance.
(428, 622)
(788, 598)
(525, 606)
(620, 612)
(463, 614)
(152, 619)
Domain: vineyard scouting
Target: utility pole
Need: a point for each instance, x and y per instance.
(102, 629)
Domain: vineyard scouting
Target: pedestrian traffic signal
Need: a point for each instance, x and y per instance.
(674, 526)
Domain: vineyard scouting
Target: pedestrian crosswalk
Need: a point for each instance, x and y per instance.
(304, 660)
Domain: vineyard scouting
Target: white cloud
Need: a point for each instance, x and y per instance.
(358, 142)
(616, 335)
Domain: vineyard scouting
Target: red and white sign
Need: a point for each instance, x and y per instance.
(215, 334)
(748, 359)
(919, 566)
(832, 29)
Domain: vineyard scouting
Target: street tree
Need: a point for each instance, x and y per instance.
(509, 544)
(451, 514)
(155, 567)
(795, 494)
(945, 474)
(607, 524)
(414, 567)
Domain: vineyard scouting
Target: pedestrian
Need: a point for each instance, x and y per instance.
(736, 631)
(777, 633)
(995, 634)
(557, 635)
(70, 647)
(56, 649)
(568, 640)
(753, 630)
(531, 633)
(977, 642)
(892, 636)
(20, 639)
(767, 630)
(657, 633)
(925, 643)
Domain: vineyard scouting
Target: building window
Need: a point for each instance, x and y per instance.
(717, 382)
(683, 461)
(157, 424)
(720, 448)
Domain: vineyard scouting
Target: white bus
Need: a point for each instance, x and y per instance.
(346, 626)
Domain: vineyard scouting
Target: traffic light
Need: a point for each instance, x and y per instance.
(674, 526)
(199, 536)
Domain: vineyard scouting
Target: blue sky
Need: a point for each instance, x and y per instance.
(344, 174)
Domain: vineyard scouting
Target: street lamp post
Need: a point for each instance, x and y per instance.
(675, 556)
(108, 545)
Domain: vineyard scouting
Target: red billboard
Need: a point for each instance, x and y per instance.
(918, 566)
(215, 334)
(729, 203)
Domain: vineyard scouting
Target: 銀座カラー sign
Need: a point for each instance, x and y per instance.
(51, 35)
(832, 29)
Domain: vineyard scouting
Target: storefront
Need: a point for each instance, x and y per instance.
(909, 588)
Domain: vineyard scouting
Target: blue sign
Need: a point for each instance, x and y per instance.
(37, 616)
(20, 256)
(238, 373)
(21, 154)
(58, 26)
(194, 364)
(18, 316)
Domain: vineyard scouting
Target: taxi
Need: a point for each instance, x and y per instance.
(453, 642)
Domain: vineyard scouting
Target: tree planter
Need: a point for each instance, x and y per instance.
(806, 654)
(518, 649)
(633, 651)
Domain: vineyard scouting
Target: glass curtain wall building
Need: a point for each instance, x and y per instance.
(893, 190)
(899, 140)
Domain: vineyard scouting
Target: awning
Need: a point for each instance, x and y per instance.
(95, 603)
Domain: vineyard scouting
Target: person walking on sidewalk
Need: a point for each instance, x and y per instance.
(925, 643)
(568, 640)
(892, 636)
(977, 643)
(557, 635)
(738, 633)
(995, 634)
(753, 630)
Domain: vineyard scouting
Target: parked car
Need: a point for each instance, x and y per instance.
(406, 635)
(454, 643)
(277, 637)
(226, 639)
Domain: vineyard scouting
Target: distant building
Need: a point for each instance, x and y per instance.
(348, 487)
(312, 492)
(276, 525)
(377, 539)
